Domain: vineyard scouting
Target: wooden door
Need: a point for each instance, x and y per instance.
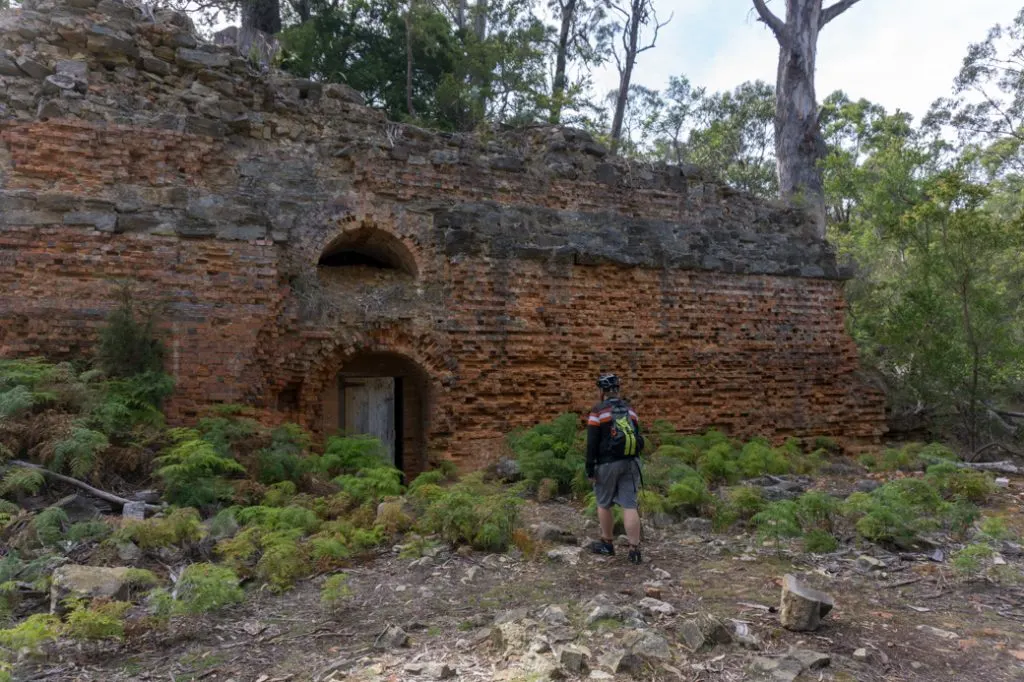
(368, 406)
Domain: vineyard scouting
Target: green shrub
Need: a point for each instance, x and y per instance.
(955, 483)
(49, 525)
(778, 521)
(744, 502)
(128, 345)
(690, 496)
(98, 620)
(278, 518)
(283, 460)
(554, 450)
(335, 591)
(969, 560)
(16, 400)
(78, 453)
(124, 405)
(22, 480)
(228, 432)
(816, 511)
(434, 477)
(371, 486)
(280, 494)
(718, 464)
(820, 542)
(994, 528)
(192, 471)
(757, 458)
(283, 561)
(200, 588)
(664, 468)
(30, 634)
(179, 527)
(651, 502)
(483, 518)
(89, 531)
(350, 455)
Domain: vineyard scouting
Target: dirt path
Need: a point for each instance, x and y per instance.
(448, 606)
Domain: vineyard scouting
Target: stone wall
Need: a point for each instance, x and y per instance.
(524, 261)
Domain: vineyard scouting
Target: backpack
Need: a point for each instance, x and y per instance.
(623, 438)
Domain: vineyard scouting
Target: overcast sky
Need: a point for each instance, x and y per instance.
(900, 53)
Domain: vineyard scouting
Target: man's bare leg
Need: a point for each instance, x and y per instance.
(632, 521)
(607, 521)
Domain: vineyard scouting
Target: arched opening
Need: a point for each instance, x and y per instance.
(368, 247)
(385, 395)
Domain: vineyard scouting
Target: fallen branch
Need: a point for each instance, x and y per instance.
(95, 492)
(998, 467)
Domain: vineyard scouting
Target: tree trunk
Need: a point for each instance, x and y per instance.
(480, 21)
(261, 15)
(626, 72)
(799, 144)
(561, 57)
(408, 61)
(460, 15)
(259, 18)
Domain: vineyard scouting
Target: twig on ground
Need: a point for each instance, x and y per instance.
(95, 492)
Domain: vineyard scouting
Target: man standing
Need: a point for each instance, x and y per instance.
(614, 445)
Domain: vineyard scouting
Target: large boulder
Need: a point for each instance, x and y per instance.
(89, 582)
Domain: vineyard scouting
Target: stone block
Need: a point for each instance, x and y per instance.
(198, 59)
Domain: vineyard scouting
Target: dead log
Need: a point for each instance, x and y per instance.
(998, 467)
(95, 492)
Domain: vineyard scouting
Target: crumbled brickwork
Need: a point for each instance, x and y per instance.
(525, 262)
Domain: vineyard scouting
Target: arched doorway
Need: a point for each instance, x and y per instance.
(367, 247)
(385, 395)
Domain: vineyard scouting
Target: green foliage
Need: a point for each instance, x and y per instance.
(900, 510)
(335, 591)
(200, 588)
(179, 527)
(350, 455)
(98, 620)
(744, 502)
(227, 431)
(968, 561)
(21, 480)
(817, 511)
(30, 634)
(372, 485)
(283, 460)
(690, 496)
(473, 514)
(777, 522)
(554, 450)
(994, 528)
(955, 483)
(718, 464)
(192, 471)
(434, 477)
(651, 502)
(820, 542)
(283, 560)
(128, 345)
(78, 453)
(278, 518)
(49, 525)
(757, 458)
(16, 400)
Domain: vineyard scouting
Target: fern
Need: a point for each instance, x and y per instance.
(200, 588)
(78, 453)
(335, 591)
(99, 620)
(778, 521)
(49, 525)
(21, 480)
(372, 485)
(192, 471)
(128, 345)
(15, 401)
(282, 460)
(350, 455)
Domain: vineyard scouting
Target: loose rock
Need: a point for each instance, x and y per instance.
(574, 659)
(568, 555)
(548, 532)
(703, 632)
(91, 582)
(656, 607)
(803, 607)
(392, 638)
(870, 563)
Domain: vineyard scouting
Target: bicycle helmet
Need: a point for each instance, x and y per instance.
(608, 382)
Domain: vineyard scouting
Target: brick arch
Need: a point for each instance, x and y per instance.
(368, 239)
(424, 351)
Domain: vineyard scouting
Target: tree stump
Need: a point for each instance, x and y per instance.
(803, 607)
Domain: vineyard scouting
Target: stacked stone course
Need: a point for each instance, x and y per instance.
(529, 260)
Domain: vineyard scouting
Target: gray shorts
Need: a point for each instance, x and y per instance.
(617, 483)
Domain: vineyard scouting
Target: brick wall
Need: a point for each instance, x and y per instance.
(530, 260)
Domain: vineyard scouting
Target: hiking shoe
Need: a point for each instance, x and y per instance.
(602, 547)
(634, 556)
